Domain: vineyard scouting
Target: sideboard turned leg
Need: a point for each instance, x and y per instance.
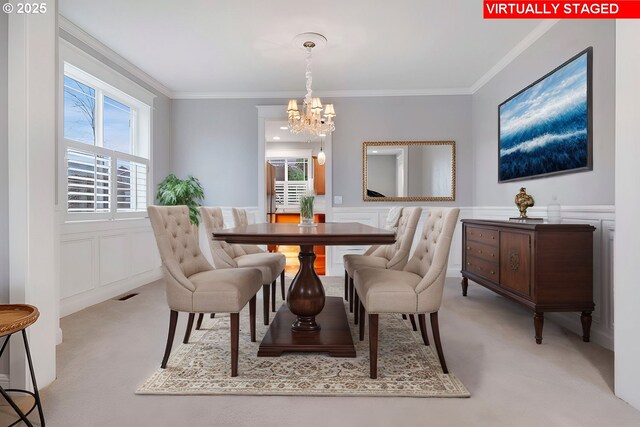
(465, 285)
(538, 323)
(586, 325)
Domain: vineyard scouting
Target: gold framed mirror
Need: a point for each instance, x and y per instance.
(409, 171)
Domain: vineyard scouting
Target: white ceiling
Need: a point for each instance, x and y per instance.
(232, 47)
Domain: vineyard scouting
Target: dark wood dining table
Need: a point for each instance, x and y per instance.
(310, 321)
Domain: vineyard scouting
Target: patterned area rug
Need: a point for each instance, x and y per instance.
(406, 367)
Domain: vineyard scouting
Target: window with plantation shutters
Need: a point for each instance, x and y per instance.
(88, 182)
(292, 180)
(107, 146)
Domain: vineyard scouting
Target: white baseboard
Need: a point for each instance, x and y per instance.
(97, 295)
(571, 321)
(4, 381)
(454, 272)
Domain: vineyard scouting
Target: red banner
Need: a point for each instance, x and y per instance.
(495, 9)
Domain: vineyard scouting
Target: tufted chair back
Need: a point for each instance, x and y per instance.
(398, 253)
(240, 218)
(432, 255)
(179, 251)
(222, 252)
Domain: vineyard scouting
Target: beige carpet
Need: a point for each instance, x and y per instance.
(111, 348)
(406, 367)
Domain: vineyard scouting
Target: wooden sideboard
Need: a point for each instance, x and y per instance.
(546, 267)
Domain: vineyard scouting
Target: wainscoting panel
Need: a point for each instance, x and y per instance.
(114, 256)
(77, 261)
(104, 259)
(143, 256)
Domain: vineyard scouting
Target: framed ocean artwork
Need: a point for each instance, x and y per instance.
(546, 128)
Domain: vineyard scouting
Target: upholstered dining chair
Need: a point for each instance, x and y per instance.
(193, 286)
(240, 218)
(231, 256)
(389, 257)
(416, 289)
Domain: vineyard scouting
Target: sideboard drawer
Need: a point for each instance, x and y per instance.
(480, 250)
(483, 235)
(486, 269)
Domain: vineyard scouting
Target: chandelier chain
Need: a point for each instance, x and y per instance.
(308, 99)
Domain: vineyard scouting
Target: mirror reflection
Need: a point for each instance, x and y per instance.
(409, 171)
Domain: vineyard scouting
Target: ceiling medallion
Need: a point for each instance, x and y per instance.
(311, 120)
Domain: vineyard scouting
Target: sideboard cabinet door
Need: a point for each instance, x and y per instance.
(515, 262)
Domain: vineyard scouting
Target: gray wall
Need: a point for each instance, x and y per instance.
(412, 118)
(564, 40)
(210, 138)
(216, 141)
(161, 127)
(4, 166)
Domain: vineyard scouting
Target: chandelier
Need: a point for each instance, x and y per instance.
(311, 119)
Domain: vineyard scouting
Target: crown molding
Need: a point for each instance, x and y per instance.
(320, 93)
(524, 44)
(77, 32)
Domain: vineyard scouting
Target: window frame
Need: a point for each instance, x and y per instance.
(87, 70)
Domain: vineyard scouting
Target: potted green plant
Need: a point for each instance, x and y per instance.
(306, 210)
(174, 191)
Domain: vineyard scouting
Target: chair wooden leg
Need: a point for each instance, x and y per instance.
(212, 315)
(282, 285)
(235, 340)
(265, 303)
(361, 326)
(187, 333)
(351, 290)
(252, 318)
(273, 296)
(422, 320)
(404, 317)
(373, 346)
(173, 320)
(346, 286)
(199, 322)
(436, 338)
(356, 307)
(413, 322)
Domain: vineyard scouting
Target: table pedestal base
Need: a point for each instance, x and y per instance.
(334, 337)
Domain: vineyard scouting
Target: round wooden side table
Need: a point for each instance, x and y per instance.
(16, 318)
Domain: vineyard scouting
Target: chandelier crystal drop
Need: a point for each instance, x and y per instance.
(312, 120)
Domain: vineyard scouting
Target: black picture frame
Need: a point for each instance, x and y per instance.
(520, 158)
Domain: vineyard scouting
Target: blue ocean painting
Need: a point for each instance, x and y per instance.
(544, 129)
